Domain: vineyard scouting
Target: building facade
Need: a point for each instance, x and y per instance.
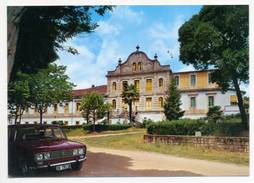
(198, 93)
(67, 112)
(151, 79)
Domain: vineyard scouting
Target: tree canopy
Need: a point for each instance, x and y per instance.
(92, 105)
(217, 38)
(42, 30)
(49, 86)
(18, 96)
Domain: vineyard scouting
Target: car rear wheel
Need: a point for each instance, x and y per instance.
(77, 166)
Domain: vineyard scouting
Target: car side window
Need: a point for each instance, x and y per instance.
(48, 133)
(58, 133)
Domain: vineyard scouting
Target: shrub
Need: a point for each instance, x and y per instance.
(214, 114)
(177, 127)
(229, 129)
(57, 123)
(147, 122)
(189, 127)
(100, 127)
(72, 127)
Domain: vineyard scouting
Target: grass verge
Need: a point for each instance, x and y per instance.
(81, 132)
(135, 142)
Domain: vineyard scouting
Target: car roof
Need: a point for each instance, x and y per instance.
(33, 126)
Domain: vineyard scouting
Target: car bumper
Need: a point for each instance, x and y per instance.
(57, 164)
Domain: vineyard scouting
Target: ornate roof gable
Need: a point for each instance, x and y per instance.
(138, 63)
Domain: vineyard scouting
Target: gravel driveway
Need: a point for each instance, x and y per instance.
(104, 162)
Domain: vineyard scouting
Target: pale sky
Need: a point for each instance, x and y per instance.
(153, 28)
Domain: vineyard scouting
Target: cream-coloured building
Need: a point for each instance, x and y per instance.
(151, 79)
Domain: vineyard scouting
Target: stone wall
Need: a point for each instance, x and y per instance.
(235, 144)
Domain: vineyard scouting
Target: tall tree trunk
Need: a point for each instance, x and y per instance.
(108, 116)
(14, 16)
(87, 118)
(94, 121)
(16, 117)
(20, 114)
(130, 112)
(41, 112)
(240, 104)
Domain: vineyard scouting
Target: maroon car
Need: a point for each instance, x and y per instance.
(33, 147)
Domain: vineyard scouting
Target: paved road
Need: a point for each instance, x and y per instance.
(103, 162)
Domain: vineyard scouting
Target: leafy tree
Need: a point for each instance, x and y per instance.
(36, 33)
(92, 104)
(18, 96)
(172, 103)
(130, 94)
(218, 38)
(214, 114)
(49, 86)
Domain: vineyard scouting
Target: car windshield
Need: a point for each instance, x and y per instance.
(32, 133)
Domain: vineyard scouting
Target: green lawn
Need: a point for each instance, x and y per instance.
(135, 142)
(81, 132)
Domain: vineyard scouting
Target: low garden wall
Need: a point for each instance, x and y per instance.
(235, 144)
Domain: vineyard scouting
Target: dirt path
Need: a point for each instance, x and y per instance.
(161, 162)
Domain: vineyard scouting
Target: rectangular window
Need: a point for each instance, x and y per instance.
(177, 80)
(114, 104)
(233, 100)
(77, 122)
(148, 103)
(136, 83)
(78, 107)
(124, 105)
(193, 80)
(193, 102)
(114, 86)
(125, 84)
(66, 108)
(149, 85)
(45, 122)
(209, 78)
(210, 101)
(139, 66)
(136, 104)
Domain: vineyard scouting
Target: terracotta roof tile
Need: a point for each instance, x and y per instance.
(102, 89)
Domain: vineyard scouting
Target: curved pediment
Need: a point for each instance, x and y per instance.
(138, 62)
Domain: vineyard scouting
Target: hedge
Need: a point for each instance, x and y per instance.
(189, 127)
(72, 127)
(101, 127)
